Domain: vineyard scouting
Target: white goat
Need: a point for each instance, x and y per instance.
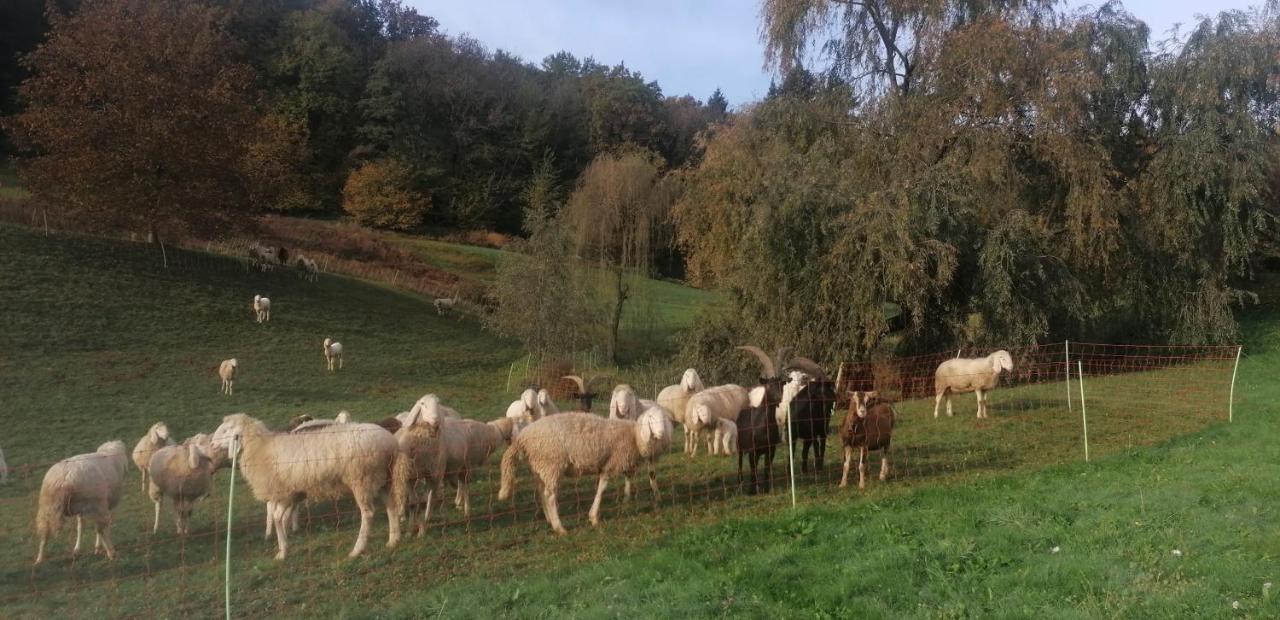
(261, 308)
(978, 375)
(157, 437)
(332, 353)
(346, 460)
(227, 371)
(83, 486)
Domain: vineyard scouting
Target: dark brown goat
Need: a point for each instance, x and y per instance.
(867, 427)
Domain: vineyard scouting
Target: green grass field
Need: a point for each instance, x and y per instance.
(101, 340)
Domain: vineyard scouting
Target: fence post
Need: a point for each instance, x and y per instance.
(45, 213)
(791, 458)
(164, 255)
(1066, 365)
(1084, 416)
(231, 498)
(1231, 402)
(510, 370)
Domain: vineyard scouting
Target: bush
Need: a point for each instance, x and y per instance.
(380, 194)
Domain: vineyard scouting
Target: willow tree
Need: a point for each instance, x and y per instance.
(618, 217)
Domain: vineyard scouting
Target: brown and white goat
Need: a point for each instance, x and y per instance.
(867, 427)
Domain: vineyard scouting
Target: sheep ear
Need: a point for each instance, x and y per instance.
(193, 456)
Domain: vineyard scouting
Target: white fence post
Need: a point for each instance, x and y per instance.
(1084, 416)
(1066, 365)
(231, 498)
(1231, 400)
(791, 458)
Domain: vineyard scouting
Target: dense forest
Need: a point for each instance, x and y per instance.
(922, 173)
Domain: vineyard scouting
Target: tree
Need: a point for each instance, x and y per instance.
(540, 300)
(139, 115)
(380, 194)
(617, 217)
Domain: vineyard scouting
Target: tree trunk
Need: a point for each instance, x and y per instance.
(621, 288)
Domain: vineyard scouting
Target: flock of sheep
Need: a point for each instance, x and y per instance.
(405, 460)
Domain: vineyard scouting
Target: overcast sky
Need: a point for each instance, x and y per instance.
(688, 46)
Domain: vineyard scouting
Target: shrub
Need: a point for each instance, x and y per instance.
(380, 194)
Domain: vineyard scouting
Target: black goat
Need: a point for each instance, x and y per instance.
(810, 412)
(758, 436)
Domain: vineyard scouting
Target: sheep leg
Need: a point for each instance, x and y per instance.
(103, 534)
(144, 480)
(594, 515)
(949, 412)
(393, 524)
(937, 401)
(79, 527)
(279, 513)
(552, 510)
(768, 469)
(862, 467)
(464, 491)
(848, 460)
(293, 517)
(426, 512)
(366, 519)
(626, 488)
(270, 520)
(982, 404)
(155, 525)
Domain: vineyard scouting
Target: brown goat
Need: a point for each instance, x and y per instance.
(867, 427)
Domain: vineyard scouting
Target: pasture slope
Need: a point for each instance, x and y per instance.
(100, 340)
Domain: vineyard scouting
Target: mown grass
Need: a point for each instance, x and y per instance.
(10, 185)
(102, 340)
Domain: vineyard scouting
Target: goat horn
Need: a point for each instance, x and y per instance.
(780, 357)
(807, 365)
(597, 381)
(582, 388)
(767, 368)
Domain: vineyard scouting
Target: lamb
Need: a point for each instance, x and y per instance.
(867, 427)
(758, 436)
(676, 397)
(352, 459)
(445, 303)
(581, 443)
(978, 375)
(185, 474)
(83, 486)
(722, 401)
(332, 353)
(227, 371)
(586, 388)
(261, 308)
(725, 439)
(157, 437)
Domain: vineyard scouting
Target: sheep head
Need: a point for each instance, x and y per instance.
(234, 425)
(691, 382)
(653, 432)
(1001, 361)
(625, 404)
(859, 402)
(327, 342)
(427, 412)
(159, 432)
(344, 417)
(702, 414)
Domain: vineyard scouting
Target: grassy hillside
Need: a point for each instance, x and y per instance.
(102, 340)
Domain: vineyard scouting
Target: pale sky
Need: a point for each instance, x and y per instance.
(688, 46)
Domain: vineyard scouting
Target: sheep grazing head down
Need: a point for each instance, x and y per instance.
(426, 412)
(690, 381)
(860, 400)
(1001, 361)
(702, 414)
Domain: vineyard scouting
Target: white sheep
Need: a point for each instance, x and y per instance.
(578, 443)
(227, 371)
(83, 486)
(308, 268)
(725, 439)
(443, 304)
(523, 411)
(263, 257)
(261, 308)
(185, 474)
(625, 403)
(675, 398)
(157, 437)
(978, 375)
(546, 406)
(304, 424)
(721, 401)
(345, 460)
(332, 353)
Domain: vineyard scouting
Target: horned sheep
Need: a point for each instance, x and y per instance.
(281, 467)
(579, 443)
(83, 486)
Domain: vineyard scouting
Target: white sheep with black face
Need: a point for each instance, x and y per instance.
(979, 375)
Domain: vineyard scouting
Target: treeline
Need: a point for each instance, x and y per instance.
(442, 119)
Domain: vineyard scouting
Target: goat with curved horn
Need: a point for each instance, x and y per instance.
(586, 388)
(768, 370)
(807, 366)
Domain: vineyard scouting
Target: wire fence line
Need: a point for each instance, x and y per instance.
(1136, 396)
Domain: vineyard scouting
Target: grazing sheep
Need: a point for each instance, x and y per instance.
(157, 437)
(185, 474)
(758, 436)
(349, 459)
(83, 486)
(676, 397)
(445, 303)
(579, 443)
(725, 439)
(867, 427)
(332, 353)
(227, 371)
(978, 375)
(307, 268)
(263, 257)
(261, 308)
(587, 388)
(722, 401)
